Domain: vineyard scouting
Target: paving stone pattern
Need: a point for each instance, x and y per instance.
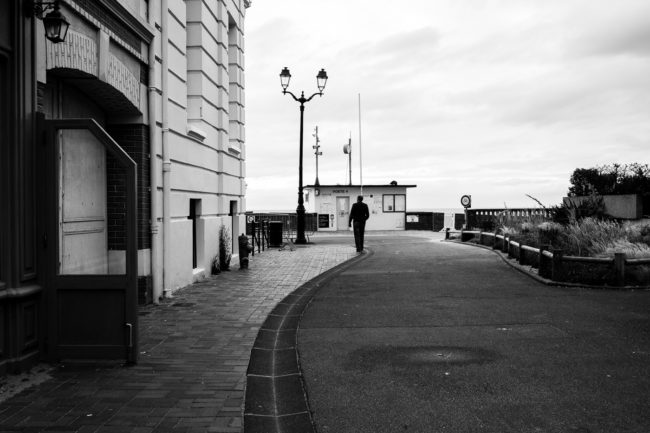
(194, 352)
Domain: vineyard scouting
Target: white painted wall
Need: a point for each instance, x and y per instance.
(206, 122)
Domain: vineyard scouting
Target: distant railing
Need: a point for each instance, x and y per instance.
(259, 234)
(485, 218)
(552, 264)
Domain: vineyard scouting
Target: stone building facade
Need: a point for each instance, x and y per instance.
(122, 156)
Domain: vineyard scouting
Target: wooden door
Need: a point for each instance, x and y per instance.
(92, 263)
(83, 235)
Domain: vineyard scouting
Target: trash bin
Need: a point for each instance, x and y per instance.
(244, 250)
(275, 233)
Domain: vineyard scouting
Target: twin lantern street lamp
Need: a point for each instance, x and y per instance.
(321, 80)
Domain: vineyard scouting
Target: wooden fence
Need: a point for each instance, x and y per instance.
(552, 264)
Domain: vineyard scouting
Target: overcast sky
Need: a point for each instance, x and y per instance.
(496, 99)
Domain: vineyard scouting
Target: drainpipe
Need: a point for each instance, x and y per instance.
(166, 165)
(156, 270)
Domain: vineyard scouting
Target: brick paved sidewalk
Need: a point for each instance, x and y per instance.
(194, 351)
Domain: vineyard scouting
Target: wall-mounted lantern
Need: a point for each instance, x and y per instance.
(55, 23)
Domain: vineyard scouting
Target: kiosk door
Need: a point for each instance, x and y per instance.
(342, 212)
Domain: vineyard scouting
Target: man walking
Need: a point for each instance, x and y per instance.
(358, 216)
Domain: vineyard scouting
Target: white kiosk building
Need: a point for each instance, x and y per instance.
(332, 203)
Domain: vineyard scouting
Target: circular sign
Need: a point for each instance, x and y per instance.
(466, 200)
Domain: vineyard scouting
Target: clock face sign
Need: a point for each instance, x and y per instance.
(466, 201)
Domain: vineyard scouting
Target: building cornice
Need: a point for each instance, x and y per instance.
(124, 16)
(133, 22)
(359, 186)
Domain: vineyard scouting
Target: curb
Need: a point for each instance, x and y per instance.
(276, 398)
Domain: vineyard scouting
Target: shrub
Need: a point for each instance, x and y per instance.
(225, 240)
(550, 233)
(632, 250)
(591, 236)
(638, 232)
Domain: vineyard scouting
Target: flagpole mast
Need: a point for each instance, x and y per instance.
(350, 156)
(360, 159)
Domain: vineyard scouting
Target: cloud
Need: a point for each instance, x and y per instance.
(621, 28)
(494, 98)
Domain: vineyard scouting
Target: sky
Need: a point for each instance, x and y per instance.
(497, 99)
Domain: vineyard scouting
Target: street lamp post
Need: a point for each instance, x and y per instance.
(321, 80)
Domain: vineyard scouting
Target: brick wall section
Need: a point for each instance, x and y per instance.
(115, 204)
(134, 139)
(97, 10)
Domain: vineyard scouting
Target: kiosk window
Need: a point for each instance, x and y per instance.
(394, 202)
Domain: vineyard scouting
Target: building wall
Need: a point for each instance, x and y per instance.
(104, 71)
(624, 206)
(206, 124)
(21, 285)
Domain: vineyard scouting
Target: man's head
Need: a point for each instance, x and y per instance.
(359, 198)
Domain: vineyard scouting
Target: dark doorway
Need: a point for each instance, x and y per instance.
(195, 213)
(235, 226)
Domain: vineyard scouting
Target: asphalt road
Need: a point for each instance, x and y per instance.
(428, 336)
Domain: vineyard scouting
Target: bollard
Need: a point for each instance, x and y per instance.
(619, 266)
(244, 250)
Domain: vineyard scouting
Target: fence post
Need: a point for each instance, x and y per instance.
(494, 241)
(522, 260)
(619, 265)
(542, 260)
(556, 266)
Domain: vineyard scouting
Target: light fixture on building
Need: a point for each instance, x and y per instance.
(55, 23)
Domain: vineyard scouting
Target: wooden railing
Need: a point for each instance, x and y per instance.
(552, 264)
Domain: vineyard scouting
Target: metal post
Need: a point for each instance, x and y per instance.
(317, 153)
(300, 210)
